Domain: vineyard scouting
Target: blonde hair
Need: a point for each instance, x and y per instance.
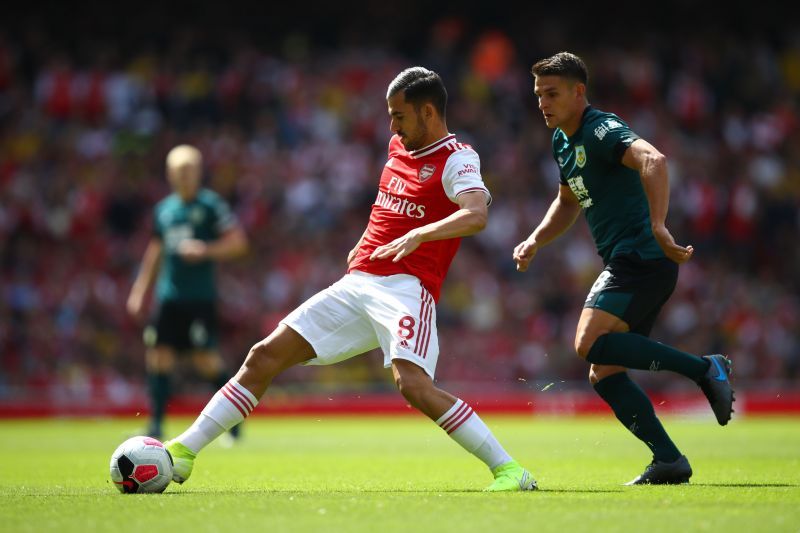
(184, 155)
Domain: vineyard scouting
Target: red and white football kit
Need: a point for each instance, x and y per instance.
(387, 304)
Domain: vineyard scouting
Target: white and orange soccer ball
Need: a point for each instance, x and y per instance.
(140, 465)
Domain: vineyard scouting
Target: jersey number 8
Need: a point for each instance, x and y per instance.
(406, 330)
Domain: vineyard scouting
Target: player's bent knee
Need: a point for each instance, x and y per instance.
(262, 361)
(586, 341)
(583, 345)
(598, 373)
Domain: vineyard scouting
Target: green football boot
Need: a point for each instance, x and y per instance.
(510, 477)
(182, 460)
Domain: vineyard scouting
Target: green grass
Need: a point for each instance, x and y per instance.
(403, 474)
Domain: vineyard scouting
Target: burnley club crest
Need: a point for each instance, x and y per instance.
(580, 156)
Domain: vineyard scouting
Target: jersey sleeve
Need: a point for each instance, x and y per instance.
(611, 137)
(554, 142)
(224, 218)
(158, 230)
(462, 173)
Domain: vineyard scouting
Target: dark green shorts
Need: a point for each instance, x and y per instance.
(634, 289)
(183, 326)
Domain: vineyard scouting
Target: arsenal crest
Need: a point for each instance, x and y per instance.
(426, 172)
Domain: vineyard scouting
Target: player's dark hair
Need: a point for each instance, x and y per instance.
(562, 64)
(420, 86)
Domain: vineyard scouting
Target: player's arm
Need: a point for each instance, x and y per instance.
(558, 219)
(144, 280)
(471, 217)
(230, 245)
(652, 166)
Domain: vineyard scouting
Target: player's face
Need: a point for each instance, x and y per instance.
(407, 123)
(561, 100)
(185, 179)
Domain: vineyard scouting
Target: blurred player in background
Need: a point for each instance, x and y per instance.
(430, 195)
(621, 183)
(193, 228)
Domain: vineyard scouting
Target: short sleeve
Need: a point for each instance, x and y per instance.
(462, 173)
(224, 218)
(158, 230)
(611, 138)
(555, 142)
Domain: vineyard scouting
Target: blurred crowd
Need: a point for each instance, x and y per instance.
(294, 135)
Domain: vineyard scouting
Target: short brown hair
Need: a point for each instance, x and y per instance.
(420, 86)
(562, 64)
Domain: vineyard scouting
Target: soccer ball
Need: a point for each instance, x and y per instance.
(141, 464)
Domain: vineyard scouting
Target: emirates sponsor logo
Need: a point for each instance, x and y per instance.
(426, 172)
(400, 205)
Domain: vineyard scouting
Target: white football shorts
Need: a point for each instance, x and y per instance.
(363, 311)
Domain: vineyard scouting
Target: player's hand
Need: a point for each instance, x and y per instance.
(677, 253)
(524, 253)
(352, 255)
(399, 248)
(193, 250)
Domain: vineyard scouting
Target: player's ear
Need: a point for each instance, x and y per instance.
(428, 111)
(580, 89)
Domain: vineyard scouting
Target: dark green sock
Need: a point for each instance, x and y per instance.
(158, 386)
(219, 382)
(637, 351)
(635, 410)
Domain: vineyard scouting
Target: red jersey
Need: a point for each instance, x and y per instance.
(416, 189)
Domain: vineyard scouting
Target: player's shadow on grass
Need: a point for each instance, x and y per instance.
(375, 491)
(745, 485)
(585, 491)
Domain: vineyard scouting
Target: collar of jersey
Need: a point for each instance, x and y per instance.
(433, 146)
(586, 111)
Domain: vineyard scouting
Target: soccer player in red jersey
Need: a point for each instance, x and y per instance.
(430, 195)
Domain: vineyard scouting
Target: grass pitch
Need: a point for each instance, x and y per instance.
(390, 474)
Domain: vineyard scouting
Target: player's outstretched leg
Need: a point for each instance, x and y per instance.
(284, 348)
(466, 428)
(716, 385)
(638, 352)
(229, 407)
(463, 425)
(210, 365)
(220, 380)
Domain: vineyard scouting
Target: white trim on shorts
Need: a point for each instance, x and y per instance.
(363, 311)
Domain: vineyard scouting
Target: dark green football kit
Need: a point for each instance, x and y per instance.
(638, 278)
(635, 284)
(186, 318)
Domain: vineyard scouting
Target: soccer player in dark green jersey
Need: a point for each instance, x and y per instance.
(193, 228)
(620, 182)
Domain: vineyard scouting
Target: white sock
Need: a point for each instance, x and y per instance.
(466, 428)
(229, 406)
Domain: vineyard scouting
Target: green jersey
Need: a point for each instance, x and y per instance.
(611, 194)
(205, 218)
